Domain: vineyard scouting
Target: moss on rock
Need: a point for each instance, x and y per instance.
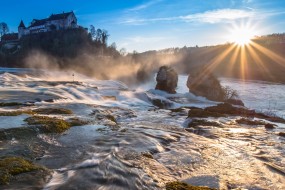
(11, 166)
(16, 113)
(53, 111)
(18, 133)
(111, 118)
(76, 122)
(201, 122)
(48, 124)
(9, 104)
(203, 113)
(184, 186)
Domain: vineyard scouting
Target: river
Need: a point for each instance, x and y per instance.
(128, 143)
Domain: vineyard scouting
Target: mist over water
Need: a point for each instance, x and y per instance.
(131, 69)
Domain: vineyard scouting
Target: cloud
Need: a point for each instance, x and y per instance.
(144, 6)
(213, 16)
(217, 16)
(141, 39)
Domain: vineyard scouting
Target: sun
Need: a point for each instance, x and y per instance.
(241, 35)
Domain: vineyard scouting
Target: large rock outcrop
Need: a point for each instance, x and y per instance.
(206, 85)
(166, 79)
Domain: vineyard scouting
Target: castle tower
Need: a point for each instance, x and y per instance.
(21, 29)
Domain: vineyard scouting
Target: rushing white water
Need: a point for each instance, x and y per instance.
(262, 96)
(146, 146)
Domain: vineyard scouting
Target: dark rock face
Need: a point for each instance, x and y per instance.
(235, 102)
(166, 79)
(206, 85)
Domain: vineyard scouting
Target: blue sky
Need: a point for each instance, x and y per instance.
(156, 24)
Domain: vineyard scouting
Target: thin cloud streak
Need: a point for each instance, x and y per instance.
(145, 5)
(212, 17)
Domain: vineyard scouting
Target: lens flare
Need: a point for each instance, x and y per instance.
(241, 35)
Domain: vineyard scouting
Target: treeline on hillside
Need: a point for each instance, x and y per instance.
(263, 59)
(88, 53)
(62, 45)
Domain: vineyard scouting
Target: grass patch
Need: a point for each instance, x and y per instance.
(53, 111)
(48, 125)
(11, 166)
(184, 186)
(16, 113)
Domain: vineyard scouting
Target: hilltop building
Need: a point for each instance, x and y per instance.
(54, 22)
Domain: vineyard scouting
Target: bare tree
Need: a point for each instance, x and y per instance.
(98, 36)
(123, 51)
(4, 29)
(92, 32)
(105, 37)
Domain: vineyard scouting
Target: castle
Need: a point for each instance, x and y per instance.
(54, 22)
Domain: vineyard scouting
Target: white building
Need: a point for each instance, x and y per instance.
(54, 22)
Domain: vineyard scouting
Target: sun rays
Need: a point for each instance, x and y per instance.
(241, 35)
(246, 54)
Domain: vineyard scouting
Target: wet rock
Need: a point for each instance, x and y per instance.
(147, 155)
(18, 133)
(282, 134)
(10, 104)
(201, 113)
(184, 186)
(235, 102)
(49, 100)
(200, 122)
(16, 113)
(52, 111)
(206, 85)
(250, 122)
(113, 98)
(228, 109)
(11, 166)
(76, 122)
(161, 103)
(111, 118)
(269, 126)
(166, 79)
(48, 125)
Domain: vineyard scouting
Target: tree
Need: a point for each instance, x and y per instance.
(93, 32)
(105, 37)
(98, 36)
(123, 51)
(113, 46)
(4, 29)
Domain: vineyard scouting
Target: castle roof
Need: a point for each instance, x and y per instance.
(22, 24)
(10, 37)
(37, 22)
(60, 16)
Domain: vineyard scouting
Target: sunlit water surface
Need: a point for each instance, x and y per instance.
(147, 147)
